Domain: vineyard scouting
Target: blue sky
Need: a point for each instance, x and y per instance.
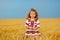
(20, 8)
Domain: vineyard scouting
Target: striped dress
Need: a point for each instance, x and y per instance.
(30, 23)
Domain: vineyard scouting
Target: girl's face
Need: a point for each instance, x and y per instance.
(32, 14)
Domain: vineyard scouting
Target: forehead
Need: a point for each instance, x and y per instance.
(32, 12)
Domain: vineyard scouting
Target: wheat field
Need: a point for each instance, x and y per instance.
(14, 29)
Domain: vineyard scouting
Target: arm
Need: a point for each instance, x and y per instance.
(37, 25)
(27, 25)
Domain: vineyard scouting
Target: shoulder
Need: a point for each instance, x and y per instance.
(28, 19)
(37, 20)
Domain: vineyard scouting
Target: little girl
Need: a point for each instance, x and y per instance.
(32, 23)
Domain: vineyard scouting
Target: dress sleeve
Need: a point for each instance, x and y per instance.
(27, 23)
(38, 23)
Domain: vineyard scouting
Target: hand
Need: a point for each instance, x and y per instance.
(33, 26)
(30, 27)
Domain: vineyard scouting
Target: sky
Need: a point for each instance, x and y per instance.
(20, 8)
